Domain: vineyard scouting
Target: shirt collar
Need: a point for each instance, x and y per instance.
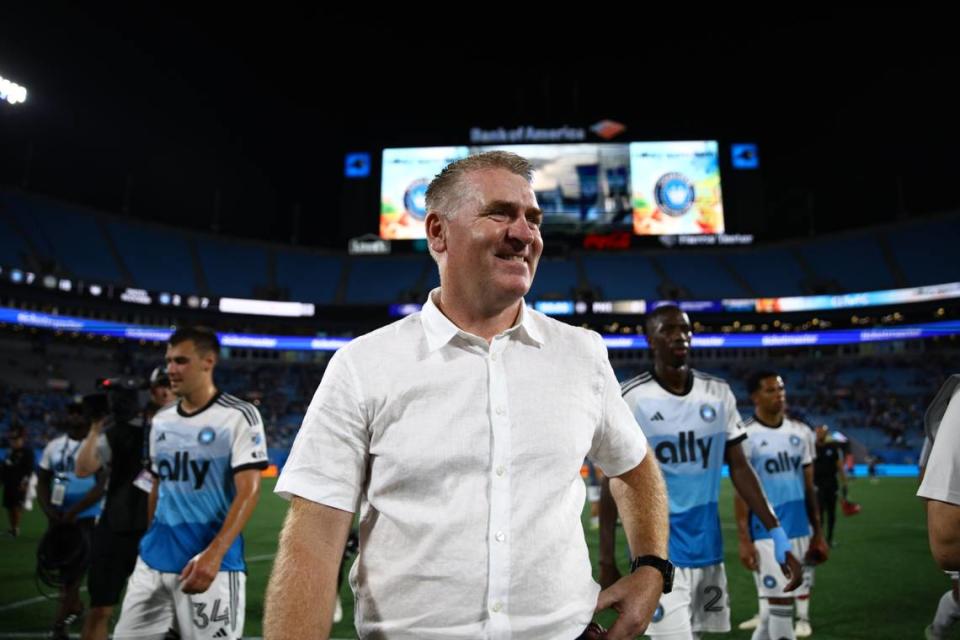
(439, 330)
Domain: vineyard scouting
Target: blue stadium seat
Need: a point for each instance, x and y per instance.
(622, 276)
(770, 272)
(70, 236)
(233, 268)
(556, 278)
(703, 275)
(380, 280)
(308, 277)
(855, 263)
(926, 252)
(157, 259)
(14, 250)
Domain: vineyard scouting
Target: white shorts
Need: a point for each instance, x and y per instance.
(154, 603)
(770, 579)
(699, 602)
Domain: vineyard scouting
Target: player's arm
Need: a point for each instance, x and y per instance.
(641, 498)
(747, 550)
(608, 536)
(202, 568)
(302, 589)
(89, 499)
(810, 498)
(88, 457)
(152, 499)
(943, 523)
(819, 549)
(748, 486)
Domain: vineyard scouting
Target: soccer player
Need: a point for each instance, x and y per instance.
(206, 454)
(781, 451)
(693, 427)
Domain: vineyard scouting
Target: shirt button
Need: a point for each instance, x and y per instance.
(501, 470)
(500, 536)
(496, 607)
(493, 357)
(499, 411)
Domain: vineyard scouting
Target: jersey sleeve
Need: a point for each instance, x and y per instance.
(941, 481)
(249, 449)
(810, 451)
(103, 449)
(736, 432)
(46, 458)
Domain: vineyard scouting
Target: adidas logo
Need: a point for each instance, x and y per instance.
(162, 436)
(763, 443)
(656, 416)
(222, 633)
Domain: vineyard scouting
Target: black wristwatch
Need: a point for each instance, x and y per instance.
(665, 567)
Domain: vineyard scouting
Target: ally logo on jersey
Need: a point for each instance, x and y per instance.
(687, 447)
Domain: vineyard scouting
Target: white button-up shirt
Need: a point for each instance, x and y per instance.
(464, 457)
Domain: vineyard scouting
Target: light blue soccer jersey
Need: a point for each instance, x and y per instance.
(778, 454)
(689, 434)
(194, 456)
(59, 458)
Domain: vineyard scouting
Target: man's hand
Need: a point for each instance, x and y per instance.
(792, 571)
(200, 572)
(748, 555)
(818, 552)
(608, 574)
(635, 598)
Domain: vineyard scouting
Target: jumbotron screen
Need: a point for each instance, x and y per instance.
(653, 188)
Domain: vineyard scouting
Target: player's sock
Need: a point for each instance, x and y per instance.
(763, 628)
(803, 608)
(781, 622)
(948, 612)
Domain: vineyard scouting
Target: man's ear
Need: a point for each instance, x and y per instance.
(435, 226)
(209, 360)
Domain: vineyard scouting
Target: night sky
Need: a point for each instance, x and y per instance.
(170, 115)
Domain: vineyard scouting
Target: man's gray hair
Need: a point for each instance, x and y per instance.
(447, 191)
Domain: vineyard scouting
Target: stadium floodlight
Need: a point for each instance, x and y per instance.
(12, 92)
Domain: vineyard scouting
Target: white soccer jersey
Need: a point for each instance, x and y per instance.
(778, 454)
(689, 434)
(194, 456)
(59, 458)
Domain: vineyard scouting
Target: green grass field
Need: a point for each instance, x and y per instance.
(880, 581)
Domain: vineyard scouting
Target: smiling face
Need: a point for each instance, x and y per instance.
(189, 369)
(489, 248)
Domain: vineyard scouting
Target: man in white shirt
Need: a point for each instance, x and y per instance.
(940, 487)
(459, 433)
